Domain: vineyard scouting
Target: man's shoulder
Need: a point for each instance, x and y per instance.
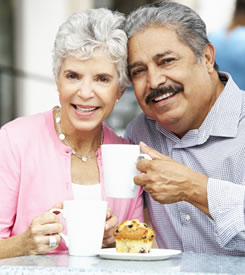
(140, 120)
(138, 127)
(137, 123)
(242, 115)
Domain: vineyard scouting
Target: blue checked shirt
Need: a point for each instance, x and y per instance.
(216, 149)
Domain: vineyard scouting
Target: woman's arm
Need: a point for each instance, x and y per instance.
(35, 240)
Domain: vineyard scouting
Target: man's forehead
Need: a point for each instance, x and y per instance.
(153, 38)
(154, 43)
(154, 33)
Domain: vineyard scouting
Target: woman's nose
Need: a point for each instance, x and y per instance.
(85, 90)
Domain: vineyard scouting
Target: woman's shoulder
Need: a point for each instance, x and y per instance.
(27, 124)
(111, 137)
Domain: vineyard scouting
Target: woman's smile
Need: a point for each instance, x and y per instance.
(88, 89)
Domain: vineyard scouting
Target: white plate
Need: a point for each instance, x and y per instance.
(155, 254)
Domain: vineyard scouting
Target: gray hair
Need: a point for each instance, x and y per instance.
(94, 28)
(190, 28)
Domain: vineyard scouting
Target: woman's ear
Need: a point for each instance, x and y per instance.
(120, 93)
(55, 77)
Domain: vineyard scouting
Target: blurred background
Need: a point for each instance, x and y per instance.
(27, 33)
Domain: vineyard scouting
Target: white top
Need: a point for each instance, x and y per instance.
(86, 192)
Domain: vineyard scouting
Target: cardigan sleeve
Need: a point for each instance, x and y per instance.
(136, 208)
(9, 179)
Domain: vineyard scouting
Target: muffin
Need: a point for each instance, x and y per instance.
(132, 236)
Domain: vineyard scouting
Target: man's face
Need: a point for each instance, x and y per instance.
(157, 59)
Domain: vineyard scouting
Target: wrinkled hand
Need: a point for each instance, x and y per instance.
(37, 234)
(110, 224)
(169, 181)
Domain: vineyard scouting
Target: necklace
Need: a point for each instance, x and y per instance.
(62, 137)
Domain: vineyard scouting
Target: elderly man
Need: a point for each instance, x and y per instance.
(193, 116)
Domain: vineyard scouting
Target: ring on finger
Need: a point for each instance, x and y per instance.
(52, 241)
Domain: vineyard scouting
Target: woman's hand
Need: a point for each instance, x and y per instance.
(35, 240)
(38, 233)
(110, 224)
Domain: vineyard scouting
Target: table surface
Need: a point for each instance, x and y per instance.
(63, 264)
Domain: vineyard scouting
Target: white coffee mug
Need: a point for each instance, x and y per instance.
(85, 221)
(119, 167)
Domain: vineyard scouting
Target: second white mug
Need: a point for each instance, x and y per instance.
(119, 167)
(85, 222)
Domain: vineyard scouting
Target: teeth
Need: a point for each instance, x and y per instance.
(163, 96)
(85, 109)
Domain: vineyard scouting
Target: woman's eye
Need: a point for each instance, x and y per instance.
(103, 79)
(72, 76)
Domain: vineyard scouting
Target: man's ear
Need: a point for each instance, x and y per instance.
(209, 55)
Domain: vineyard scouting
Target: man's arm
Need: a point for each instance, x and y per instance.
(169, 181)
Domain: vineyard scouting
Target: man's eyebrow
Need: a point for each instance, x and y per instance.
(155, 57)
(160, 55)
(136, 64)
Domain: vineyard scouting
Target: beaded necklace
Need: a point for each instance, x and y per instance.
(62, 137)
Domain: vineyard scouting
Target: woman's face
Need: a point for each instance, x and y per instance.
(88, 90)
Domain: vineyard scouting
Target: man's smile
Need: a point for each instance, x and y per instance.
(163, 93)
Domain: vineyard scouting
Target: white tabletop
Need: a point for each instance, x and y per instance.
(62, 264)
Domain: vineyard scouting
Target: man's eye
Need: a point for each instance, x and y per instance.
(166, 61)
(136, 72)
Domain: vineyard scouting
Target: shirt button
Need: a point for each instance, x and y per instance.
(187, 217)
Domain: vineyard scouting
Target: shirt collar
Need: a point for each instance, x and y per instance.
(224, 117)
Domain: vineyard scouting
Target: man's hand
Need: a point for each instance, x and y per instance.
(168, 181)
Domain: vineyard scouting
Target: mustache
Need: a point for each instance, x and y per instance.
(161, 91)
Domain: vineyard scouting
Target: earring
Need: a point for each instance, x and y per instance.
(117, 100)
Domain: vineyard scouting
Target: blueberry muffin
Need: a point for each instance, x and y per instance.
(132, 236)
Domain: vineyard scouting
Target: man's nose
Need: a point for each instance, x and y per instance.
(155, 78)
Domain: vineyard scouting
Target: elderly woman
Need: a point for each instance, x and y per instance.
(55, 156)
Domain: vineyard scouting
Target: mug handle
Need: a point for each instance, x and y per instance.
(143, 156)
(63, 236)
(140, 157)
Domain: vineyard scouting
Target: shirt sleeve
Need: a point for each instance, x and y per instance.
(9, 178)
(226, 206)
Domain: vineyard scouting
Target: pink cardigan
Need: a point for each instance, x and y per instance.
(35, 174)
